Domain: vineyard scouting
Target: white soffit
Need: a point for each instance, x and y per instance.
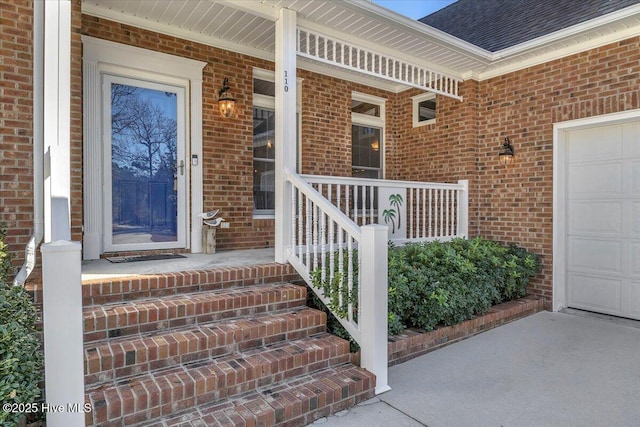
(248, 27)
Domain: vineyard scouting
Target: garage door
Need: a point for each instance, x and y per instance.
(603, 219)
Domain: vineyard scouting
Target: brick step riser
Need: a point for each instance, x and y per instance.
(145, 398)
(148, 317)
(118, 360)
(297, 403)
(107, 291)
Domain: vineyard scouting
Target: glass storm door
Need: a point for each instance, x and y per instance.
(144, 172)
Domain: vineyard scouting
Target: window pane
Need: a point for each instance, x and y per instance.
(361, 107)
(144, 137)
(264, 87)
(366, 146)
(427, 110)
(263, 133)
(264, 185)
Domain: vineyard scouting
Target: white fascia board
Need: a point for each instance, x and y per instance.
(497, 70)
(523, 49)
(368, 8)
(169, 30)
(568, 32)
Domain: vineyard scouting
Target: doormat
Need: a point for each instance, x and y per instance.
(136, 258)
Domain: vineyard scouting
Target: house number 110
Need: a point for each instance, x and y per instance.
(286, 82)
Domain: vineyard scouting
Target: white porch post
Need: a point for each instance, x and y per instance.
(57, 122)
(286, 145)
(463, 209)
(62, 290)
(374, 303)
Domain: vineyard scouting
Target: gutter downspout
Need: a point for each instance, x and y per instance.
(38, 146)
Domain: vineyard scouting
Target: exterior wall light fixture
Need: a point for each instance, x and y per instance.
(507, 154)
(226, 102)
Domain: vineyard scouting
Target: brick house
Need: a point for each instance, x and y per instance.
(348, 89)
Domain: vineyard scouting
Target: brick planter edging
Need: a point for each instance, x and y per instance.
(415, 342)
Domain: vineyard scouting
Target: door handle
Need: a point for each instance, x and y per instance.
(181, 167)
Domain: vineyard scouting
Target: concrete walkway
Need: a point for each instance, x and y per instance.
(549, 369)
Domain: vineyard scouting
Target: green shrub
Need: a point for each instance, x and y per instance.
(435, 283)
(20, 358)
(439, 283)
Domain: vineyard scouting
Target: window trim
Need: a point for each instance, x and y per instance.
(416, 105)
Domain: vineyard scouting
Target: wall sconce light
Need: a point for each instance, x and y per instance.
(507, 153)
(375, 145)
(226, 102)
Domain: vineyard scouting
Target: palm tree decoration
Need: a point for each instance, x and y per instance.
(396, 201)
(389, 215)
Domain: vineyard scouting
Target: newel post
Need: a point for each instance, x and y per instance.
(63, 344)
(463, 209)
(373, 300)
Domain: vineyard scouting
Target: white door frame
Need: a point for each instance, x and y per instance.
(560, 131)
(101, 56)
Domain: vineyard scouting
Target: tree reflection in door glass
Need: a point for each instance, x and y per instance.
(143, 164)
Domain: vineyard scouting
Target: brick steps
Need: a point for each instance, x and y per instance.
(298, 402)
(136, 317)
(119, 289)
(164, 392)
(126, 356)
(235, 346)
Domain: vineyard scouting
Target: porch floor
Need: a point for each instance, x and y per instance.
(102, 268)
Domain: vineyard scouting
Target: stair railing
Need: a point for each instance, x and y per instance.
(346, 267)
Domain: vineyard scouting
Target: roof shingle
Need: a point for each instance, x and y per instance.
(498, 24)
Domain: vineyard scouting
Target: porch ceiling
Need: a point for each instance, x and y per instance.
(248, 26)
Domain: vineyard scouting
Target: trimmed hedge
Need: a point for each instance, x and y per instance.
(20, 356)
(440, 284)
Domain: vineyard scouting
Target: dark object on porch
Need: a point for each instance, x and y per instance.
(135, 258)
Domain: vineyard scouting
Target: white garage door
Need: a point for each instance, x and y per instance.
(603, 219)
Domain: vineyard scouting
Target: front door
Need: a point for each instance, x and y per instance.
(144, 172)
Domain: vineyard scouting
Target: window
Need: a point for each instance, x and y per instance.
(424, 109)
(367, 134)
(264, 159)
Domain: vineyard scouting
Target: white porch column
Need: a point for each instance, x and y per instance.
(286, 146)
(61, 264)
(57, 123)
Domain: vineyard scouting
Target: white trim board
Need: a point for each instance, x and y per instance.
(560, 131)
(104, 56)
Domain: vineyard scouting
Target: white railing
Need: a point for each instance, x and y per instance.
(346, 267)
(340, 228)
(414, 211)
(320, 47)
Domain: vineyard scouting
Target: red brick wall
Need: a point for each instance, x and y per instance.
(516, 203)
(510, 205)
(227, 143)
(441, 152)
(326, 123)
(16, 130)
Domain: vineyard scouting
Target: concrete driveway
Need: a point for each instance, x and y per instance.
(549, 369)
